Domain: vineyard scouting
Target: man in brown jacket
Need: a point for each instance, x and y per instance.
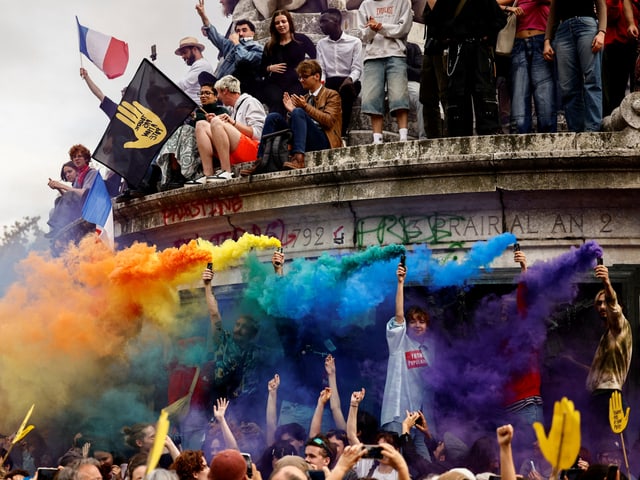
(315, 119)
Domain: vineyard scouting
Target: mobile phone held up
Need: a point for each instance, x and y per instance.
(373, 451)
(210, 266)
(47, 473)
(247, 459)
(403, 260)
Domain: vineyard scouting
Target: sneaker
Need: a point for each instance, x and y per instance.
(223, 175)
(193, 183)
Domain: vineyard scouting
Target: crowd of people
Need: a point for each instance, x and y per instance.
(575, 59)
(408, 441)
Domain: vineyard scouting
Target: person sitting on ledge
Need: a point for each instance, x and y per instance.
(231, 138)
(315, 119)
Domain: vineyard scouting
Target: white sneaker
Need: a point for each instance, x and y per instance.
(223, 175)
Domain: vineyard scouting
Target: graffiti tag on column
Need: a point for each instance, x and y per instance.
(207, 207)
(304, 236)
(434, 228)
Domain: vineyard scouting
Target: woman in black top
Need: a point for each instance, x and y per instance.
(282, 54)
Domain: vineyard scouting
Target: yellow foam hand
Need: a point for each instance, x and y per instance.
(23, 433)
(23, 430)
(146, 125)
(562, 446)
(162, 429)
(618, 418)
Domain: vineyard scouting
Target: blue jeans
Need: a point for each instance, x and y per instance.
(579, 75)
(308, 136)
(532, 76)
(378, 71)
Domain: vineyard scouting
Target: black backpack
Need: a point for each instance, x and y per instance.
(275, 148)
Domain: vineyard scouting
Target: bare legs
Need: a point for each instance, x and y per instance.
(216, 138)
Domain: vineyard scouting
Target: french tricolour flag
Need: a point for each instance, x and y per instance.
(107, 53)
(99, 210)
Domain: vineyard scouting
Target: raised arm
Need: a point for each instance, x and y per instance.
(219, 409)
(202, 14)
(212, 305)
(277, 260)
(401, 273)
(352, 418)
(614, 313)
(272, 414)
(507, 468)
(316, 421)
(171, 447)
(334, 400)
(90, 83)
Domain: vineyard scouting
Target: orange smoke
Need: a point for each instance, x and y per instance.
(65, 319)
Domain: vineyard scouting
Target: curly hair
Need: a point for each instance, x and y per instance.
(82, 150)
(188, 463)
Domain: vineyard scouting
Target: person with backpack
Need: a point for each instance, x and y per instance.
(315, 119)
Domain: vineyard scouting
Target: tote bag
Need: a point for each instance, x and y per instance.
(506, 36)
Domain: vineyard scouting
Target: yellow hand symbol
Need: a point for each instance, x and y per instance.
(562, 446)
(617, 418)
(146, 125)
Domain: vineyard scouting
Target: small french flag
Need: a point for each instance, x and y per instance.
(98, 209)
(107, 53)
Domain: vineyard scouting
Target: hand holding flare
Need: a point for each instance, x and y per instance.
(562, 446)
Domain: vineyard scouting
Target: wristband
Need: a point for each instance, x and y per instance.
(603, 31)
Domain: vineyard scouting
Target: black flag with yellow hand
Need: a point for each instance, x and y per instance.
(152, 108)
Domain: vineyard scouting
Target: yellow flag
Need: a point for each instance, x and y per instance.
(162, 429)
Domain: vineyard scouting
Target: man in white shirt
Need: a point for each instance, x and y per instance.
(340, 56)
(191, 52)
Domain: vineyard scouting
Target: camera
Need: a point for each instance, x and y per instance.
(373, 451)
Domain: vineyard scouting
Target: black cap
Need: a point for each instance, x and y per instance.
(205, 78)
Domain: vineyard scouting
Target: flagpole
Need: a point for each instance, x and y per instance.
(79, 46)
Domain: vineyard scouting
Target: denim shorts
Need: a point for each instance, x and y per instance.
(377, 72)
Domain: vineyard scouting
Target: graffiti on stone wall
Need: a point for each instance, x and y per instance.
(204, 208)
(449, 230)
(432, 229)
(301, 237)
